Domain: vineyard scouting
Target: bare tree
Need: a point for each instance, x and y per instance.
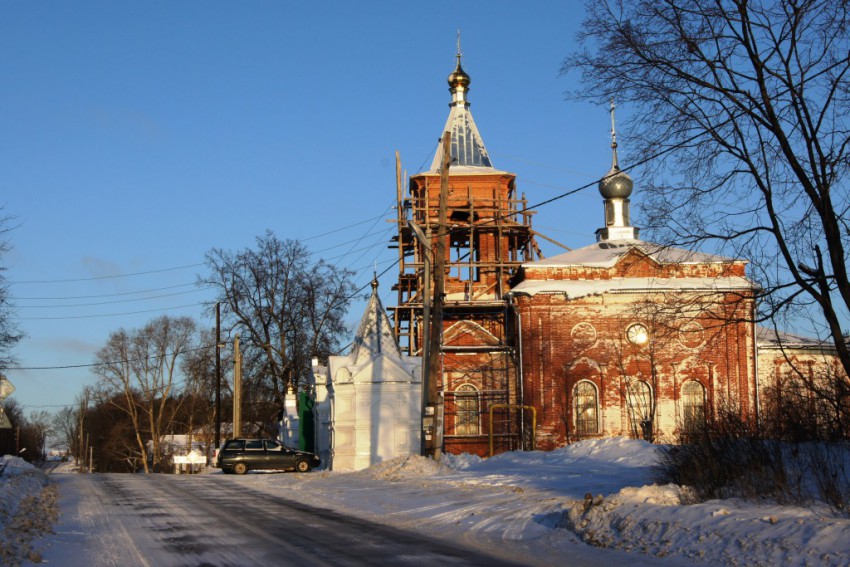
(10, 334)
(747, 102)
(286, 309)
(40, 423)
(137, 372)
(64, 427)
(198, 394)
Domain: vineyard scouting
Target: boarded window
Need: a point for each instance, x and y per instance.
(587, 422)
(466, 401)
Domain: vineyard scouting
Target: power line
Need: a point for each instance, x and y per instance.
(112, 302)
(72, 280)
(344, 227)
(94, 296)
(111, 362)
(106, 314)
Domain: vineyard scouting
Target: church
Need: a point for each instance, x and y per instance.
(619, 337)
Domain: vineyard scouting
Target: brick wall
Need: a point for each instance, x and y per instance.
(691, 338)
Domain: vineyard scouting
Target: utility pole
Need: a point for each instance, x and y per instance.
(435, 358)
(218, 375)
(427, 429)
(237, 389)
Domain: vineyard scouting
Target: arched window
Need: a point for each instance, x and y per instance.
(693, 406)
(467, 404)
(639, 401)
(586, 413)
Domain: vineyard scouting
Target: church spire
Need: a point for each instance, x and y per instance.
(375, 334)
(467, 146)
(615, 188)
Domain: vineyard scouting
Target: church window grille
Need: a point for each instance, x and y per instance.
(468, 410)
(586, 412)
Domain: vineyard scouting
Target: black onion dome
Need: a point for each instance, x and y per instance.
(616, 184)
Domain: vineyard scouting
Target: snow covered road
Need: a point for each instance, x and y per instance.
(212, 520)
(527, 507)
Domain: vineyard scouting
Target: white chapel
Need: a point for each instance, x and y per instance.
(368, 402)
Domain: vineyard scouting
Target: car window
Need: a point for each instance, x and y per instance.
(255, 445)
(231, 445)
(272, 446)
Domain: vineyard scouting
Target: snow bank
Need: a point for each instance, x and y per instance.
(18, 480)
(409, 466)
(27, 509)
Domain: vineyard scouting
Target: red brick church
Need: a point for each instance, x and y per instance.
(620, 337)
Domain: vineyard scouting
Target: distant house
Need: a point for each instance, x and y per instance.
(183, 452)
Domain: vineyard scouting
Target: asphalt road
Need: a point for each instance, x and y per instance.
(213, 520)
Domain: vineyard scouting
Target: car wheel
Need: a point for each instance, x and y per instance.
(240, 468)
(302, 466)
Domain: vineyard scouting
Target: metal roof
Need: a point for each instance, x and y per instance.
(375, 334)
(607, 253)
(467, 147)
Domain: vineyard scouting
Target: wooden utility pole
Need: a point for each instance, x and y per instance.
(435, 359)
(217, 375)
(237, 389)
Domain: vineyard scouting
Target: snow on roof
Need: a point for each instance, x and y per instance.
(466, 170)
(582, 288)
(772, 338)
(607, 253)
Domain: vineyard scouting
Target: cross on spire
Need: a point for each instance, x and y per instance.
(615, 164)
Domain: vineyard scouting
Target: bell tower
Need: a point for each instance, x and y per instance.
(487, 237)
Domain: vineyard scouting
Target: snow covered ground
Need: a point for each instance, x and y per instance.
(27, 509)
(539, 501)
(545, 507)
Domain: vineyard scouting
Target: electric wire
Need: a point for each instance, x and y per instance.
(114, 301)
(94, 278)
(94, 296)
(363, 287)
(113, 362)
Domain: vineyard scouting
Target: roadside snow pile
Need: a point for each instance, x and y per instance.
(410, 466)
(599, 467)
(27, 509)
(460, 462)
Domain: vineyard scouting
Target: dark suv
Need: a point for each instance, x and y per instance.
(242, 455)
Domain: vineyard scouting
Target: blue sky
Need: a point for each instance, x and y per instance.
(135, 137)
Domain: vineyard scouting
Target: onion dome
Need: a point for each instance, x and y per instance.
(616, 184)
(458, 77)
